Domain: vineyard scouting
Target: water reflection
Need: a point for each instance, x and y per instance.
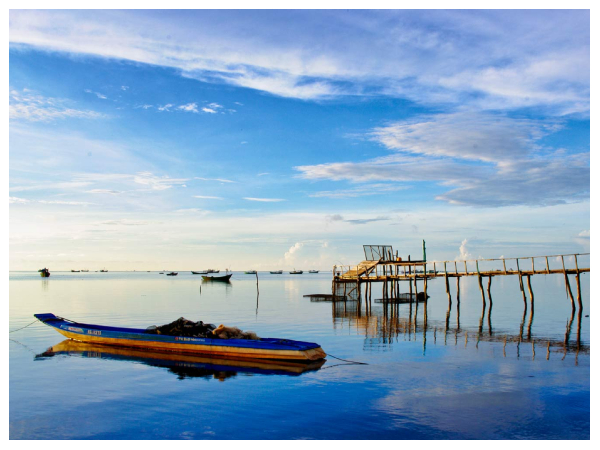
(382, 327)
(183, 366)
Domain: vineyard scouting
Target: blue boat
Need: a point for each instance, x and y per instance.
(260, 349)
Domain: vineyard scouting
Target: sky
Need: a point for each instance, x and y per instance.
(256, 139)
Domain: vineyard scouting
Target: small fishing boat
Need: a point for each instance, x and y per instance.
(199, 273)
(212, 271)
(250, 272)
(161, 273)
(277, 272)
(104, 270)
(296, 272)
(313, 271)
(84, 270)
(266, 348)
(172, 274)
(221, 278)
(44, 273)
(75, 270)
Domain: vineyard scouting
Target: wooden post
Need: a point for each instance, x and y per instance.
(567, 285)
(547, 270)
(532, 307)
(257, 291)
(466, 270)
(578, 290)
(489, 288)
(458, 289)
(532, 266)
(504, 264)
(455, 267)
(481, 289)
(425, 292)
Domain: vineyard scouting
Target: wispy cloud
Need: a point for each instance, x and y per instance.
(490, 160)
(166, 107)
(26, 105)
(104, 191)
(254, 199)
(22, 201)
(157, 183)
(361, 191)
(97, 94)
(340, 218)
(442, 57)
(208, 197)
(221, 180)
(17, 200)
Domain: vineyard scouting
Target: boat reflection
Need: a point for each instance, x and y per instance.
(183, 366)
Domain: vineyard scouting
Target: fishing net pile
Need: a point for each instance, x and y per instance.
(189, 328)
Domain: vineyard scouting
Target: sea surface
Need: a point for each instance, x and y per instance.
(441, 371)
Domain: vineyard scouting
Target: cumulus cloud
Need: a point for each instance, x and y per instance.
(209, 110)
(190, 107)
(464, 252)
(289, 255)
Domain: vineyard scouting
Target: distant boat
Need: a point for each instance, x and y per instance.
(313, 271)
(161, 273)
(44, 273)
(296, 272)
(277, 272)
(250, 272)
(212, 271)
(84, 270)
(75, 270)
(221, 278)
(200, 273)
(172, 274)
(104, 270)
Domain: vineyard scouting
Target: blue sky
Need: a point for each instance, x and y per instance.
(281, 139)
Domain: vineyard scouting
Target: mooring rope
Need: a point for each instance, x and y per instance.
(23, 327)
(348, 361)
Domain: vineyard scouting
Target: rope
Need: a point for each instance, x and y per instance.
(24, 326)
(348, 361)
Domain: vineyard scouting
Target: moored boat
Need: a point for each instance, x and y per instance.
(103, 270)
(221, 278)
(213, 271)
(265, 348)
(296, 272)
(250, 272)
(75, 270)
(277, 272)
(199, 273)
(44, 273)
(313, 271)
(172, 274)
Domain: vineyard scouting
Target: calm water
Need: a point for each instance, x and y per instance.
(453, 378)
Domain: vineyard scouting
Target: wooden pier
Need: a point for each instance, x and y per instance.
(382, 265)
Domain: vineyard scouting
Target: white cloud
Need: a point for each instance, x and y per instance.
(484, 160)
(157, 183)
(584, 233)
(209, 110)
(464, 252)
(361, 191)
(104, 191)
(460, 57)
(190, 107)
(64, 202)
(124, 88)
(97, 94)
(221, 180)
(17, 200)
(208, 197)
(215, 106)
(165, 107)
(25, 105)
(254, 199)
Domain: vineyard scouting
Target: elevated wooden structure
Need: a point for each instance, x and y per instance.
(384, 266)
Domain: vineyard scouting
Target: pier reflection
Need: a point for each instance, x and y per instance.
(391, 320)
(183, 366)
